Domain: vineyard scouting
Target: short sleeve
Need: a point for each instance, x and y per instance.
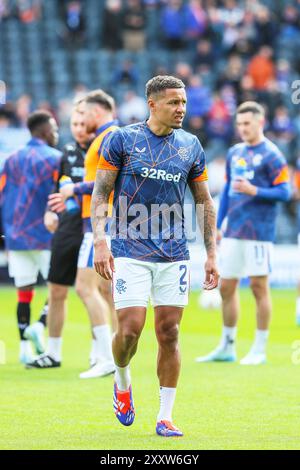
(278, 170)
(111, 152)
(198, 171)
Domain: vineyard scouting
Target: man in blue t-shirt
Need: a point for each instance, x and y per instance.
(27, 179)
(257, 178)
(149, 166)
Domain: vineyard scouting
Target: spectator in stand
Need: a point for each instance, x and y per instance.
(172, 21)
(196, 22)
(283, 131)
(204, 56)
(133, 109)
(261, 68)
(196, 126)
(112, 25)
(134, 24)
(284, 75)
(5, 119)
(247, 91)
(229, 97)
(266, 27)
(198, 97)
(219, 122)
(126, 74)
(290, 28)
(5, 10)
(233, 73)
(183, 71)
(231, 13)
(75, 23)
(29, 10)
(23, 109)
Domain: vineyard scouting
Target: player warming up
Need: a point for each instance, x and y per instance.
(98, 113)
(66, 240)
(257, 178)
(27, 179)
(149, 166)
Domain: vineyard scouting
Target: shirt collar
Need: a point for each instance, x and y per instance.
(105, 126)
(36, 141)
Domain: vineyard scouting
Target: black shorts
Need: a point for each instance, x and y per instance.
(64, 257)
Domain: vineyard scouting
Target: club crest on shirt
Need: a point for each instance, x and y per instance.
(183, 154)
(257, 159)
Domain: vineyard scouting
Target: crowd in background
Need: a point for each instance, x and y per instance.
(231, 51)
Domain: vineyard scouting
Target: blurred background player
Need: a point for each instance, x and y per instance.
(150, 263)
(98, 115)
(66, 240)
(257, 178)
(28, 177)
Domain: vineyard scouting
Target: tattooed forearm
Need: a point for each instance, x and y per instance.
(206, 214)
(104, 185)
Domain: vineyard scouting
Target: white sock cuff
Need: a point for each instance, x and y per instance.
(100, 329)
(263, 334)
(168, 389)
(54, 348)
(167, 399)
(123, 377)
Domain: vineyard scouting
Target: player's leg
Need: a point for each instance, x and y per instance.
(170, 290)
(36, 331)
(56, 318)
(87, 288)
(25, 296)
(106, 292)
(258, 266)
(131, 291)
(22, 268)
(167, 321)
(97, 308)
(61, 275)
(261, 291)
(231, 268)
(125, 341)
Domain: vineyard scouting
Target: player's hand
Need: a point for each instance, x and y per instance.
(67, 191)
(103, 260)
(51, 221)
(244, 186)
(211, 274)
(56, 202)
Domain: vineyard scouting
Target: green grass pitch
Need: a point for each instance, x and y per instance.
(218, 406)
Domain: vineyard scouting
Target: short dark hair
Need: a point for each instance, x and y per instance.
(251, 107)
(38, 119)
(161, 83)
(100, 97)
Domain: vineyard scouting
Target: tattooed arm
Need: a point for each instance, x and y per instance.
(104, 185)
(206, 216)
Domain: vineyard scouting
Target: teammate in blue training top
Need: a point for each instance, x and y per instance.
(27, 179)
(257, 178)
(149, 166)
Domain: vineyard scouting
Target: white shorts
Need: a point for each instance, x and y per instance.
(86, 252)
(135, 282)
(243, 258)
(24, 266)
